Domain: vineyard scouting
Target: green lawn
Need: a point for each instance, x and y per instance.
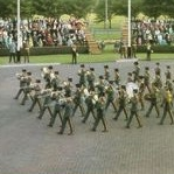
(87, 58)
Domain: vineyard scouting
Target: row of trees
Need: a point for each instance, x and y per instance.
(80, 8)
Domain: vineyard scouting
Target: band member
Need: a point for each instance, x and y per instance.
(167, 105)
(100, 108)
(134, 109)
(122, 96)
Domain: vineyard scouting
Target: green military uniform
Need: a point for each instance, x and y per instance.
(68, 88)
(153, 98)
(22, 82)
(134, 110)
(136, 72)
(68, 108)
(110, 96)
(56, 81)
(167, 106)
(78, 100)
(121, 102)
(47, 77)
(82, 75)
(90, 106)
(100, 108)
(58, 108)
(100, 86)
(147, 78)
(91, 79)
(106, 73)
(36, 99)
(117, 77)
(27, 89)
(46, 103)
(141, 92)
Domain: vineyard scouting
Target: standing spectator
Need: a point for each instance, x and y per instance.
(148, 51)
(12, 50)
(26, 51)
(74, 54)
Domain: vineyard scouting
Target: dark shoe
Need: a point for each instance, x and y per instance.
(105, 130)
(83, 121)
(140, 126)
(22, 103)
(39, 118)
(93, 130)
(115, 118)
(127, 127)
(171, 123)
(50, 125)
(29, 110)
(160, 123)
(15, 98)
(60, 133)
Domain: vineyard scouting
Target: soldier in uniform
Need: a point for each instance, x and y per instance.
(78, 100)
(56, 81)
(168, 73)
(90, 106)
(158, 69)
(68, 108)
(47, 76)
(82, 75)
(141, 91)
(100, 108)
(37, 89)
(110, 96)
(47, 100)
(136, 72)
(22, 82)
(153, 98)
(68, 87)
(121, 102)
(147, 78)
(27, 89)
(116, 76)
(58, 107)
(106, 73)
(100, 86)
(134, 109)
(91, 77)
(129, 78)
(167, 105)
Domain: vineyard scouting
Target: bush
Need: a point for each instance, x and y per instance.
(47, 50)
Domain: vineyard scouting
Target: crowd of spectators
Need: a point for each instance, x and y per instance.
(44, 32)
(159, 32)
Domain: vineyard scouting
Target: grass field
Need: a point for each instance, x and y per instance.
(87, 58)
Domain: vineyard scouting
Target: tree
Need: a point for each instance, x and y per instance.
(156, 8)
(101, 13)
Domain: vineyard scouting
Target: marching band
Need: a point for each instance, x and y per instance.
(94, 95)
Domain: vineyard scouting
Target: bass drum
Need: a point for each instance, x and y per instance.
(130, 87)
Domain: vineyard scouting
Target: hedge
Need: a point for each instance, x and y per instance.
(47, 50)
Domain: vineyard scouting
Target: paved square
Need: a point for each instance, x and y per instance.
(28, 146)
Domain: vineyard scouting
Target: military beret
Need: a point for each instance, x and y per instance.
(50, 67)
(101, 77)
(168, 66)
(82, 65)
(78, 85)
(157, 63)
(69, 79)
(116, 69)
(146, 68)
(59, 88)
(136, 63)
(29, 72)
(38, 81)
(135, 90)
(111, 82)
(129, 73)
(141, 77)
(56, 72)
(24, 70)
(92, 69)
(106, 66)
